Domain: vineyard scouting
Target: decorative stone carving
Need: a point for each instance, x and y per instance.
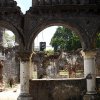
(48, 2)
(41, 2)
(34, 2)
(11, 3)
(2, 2)
(55, 2)
(7, 3)
(24, 56)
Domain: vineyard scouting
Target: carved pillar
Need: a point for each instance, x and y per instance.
(90, 71)
(24, 76)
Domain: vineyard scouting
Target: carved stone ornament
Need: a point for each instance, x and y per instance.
(24, 56)
(55, 2)
(6, 3)
(89, 54)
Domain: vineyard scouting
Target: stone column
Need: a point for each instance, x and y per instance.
(24, 76)
(35, 76)
(90, 71)
(32, 64)
(31, 70)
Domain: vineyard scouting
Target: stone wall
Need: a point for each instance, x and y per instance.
(56, 2)
(63, 89)
(98, 62)
(10, 68)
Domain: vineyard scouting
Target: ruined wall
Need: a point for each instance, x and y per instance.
(68, 89)
(55, 2)
(98, 62)
(57, 89)
(10, 68)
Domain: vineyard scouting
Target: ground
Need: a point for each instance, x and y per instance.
(10, 93)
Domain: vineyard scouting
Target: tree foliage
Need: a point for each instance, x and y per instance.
(65, 39)
(8, 39)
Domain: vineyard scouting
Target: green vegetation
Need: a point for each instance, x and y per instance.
(8, 39)
(65, 39)
(49, 52)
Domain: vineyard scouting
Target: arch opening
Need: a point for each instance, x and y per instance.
(9, 72)
(56, 62)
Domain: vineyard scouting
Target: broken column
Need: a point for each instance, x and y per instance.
(90, 75)
(90, 71)
(24, 76)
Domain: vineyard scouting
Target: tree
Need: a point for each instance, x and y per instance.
(65, 39)
(8, 39)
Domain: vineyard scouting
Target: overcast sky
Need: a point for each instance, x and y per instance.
(24, 4)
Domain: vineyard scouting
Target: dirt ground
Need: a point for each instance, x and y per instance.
(10, 93)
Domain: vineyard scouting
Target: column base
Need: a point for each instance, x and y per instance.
(91, 92)
(24, 96)
(91, 97)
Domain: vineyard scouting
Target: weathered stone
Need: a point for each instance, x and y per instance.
(24, 56)
(90, 71)
(24, 97)
(82, 16)
(91, 97)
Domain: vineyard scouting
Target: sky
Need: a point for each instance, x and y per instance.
(46, 34)
(24, 4)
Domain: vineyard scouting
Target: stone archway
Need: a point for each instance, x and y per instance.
(59, 22)
(11, 18)
(81, 15)
(79, 19)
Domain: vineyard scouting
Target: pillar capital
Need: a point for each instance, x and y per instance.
(88, 54)
(24, 56)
